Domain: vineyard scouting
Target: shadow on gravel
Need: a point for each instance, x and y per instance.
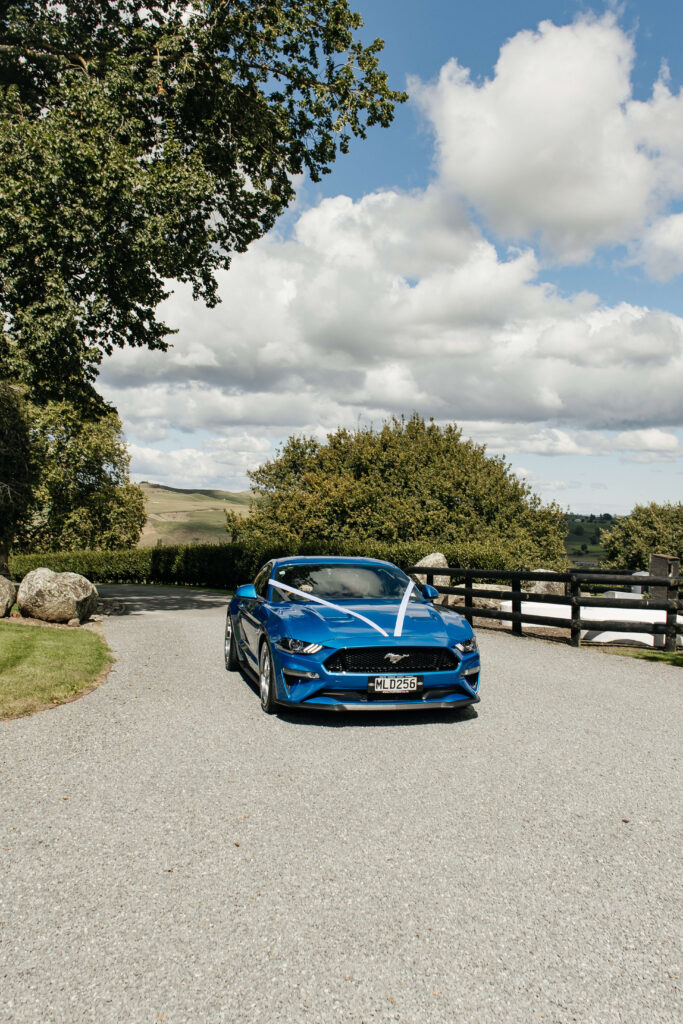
(361, 719)
(134, 599)
(347, 719)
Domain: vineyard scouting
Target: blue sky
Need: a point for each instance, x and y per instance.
(508, 256)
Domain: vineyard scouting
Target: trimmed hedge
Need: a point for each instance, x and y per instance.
(226, 566)
(195, 565)
(124, 566)
(208, 565)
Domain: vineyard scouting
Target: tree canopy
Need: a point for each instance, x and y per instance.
(411, 483)
(145, 142)
(649, 529)
(83, 497)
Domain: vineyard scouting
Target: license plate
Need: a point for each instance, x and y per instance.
(395, 684)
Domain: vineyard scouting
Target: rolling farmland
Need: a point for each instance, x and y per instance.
(184, 516)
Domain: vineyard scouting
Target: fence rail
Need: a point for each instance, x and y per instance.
(573, 598)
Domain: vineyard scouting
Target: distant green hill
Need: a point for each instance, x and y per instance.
(582, 542)
(180, 515)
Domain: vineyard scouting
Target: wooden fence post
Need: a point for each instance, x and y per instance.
(667, 565)
(575, 594)
(516, 603)
(671, 619)
(469, 601)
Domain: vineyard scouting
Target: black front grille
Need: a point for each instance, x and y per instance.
(364, 697)
(374, 660)
(368, 698)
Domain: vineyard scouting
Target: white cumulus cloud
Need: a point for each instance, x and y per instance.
(660, 249)
(313, 331)
(553, 145)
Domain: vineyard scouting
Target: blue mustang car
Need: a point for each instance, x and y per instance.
(349, 634)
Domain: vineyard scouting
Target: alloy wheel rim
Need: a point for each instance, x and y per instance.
(264, 677)
(228, 637)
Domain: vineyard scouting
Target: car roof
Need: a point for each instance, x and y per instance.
(330, 560)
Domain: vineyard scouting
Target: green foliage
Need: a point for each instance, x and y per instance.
(225, 566)
(83, 497)
(649, 529)
(410, 483)
(209, 565)
(142, 143)
(17, 467)
(130, 565)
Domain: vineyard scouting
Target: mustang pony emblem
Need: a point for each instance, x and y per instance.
(395, 658)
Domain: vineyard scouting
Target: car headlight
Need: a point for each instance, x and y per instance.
(292, 646)
(467, 646)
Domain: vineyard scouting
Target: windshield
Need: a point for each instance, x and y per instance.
(339, 582)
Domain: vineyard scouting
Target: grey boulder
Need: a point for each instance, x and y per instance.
(437, 560)
(489, 602)
(8, 595)
(434, 561)
(56, 596)
(544, 586)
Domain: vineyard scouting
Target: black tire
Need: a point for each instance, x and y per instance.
(266, 679)
(232, 661)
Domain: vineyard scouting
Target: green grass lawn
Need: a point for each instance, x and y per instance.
(40, 667)
(664, 657)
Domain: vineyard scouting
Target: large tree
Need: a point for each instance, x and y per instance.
(409, 483)
(83, 497)
(647, 530)
(145, 142)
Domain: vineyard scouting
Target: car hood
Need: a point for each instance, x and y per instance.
(330, 626)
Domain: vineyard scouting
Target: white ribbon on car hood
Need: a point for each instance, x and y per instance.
(398, 629)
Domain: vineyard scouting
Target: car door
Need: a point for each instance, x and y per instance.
(253, 614)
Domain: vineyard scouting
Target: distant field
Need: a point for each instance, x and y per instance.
(582, 542)
(179, 516)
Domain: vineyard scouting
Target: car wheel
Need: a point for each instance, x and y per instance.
(266, 679)
(232, 661)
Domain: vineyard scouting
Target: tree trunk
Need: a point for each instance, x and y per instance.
(4, 558)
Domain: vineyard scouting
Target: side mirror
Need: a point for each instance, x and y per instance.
(429, 592)
(247, 590)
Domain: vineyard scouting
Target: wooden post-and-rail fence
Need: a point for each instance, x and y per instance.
(579, 592)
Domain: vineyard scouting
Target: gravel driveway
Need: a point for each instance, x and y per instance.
(170, 853)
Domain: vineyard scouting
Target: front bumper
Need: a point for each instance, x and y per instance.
(404, 705)
(348, 691)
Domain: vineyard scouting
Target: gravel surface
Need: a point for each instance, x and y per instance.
(170, 853)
